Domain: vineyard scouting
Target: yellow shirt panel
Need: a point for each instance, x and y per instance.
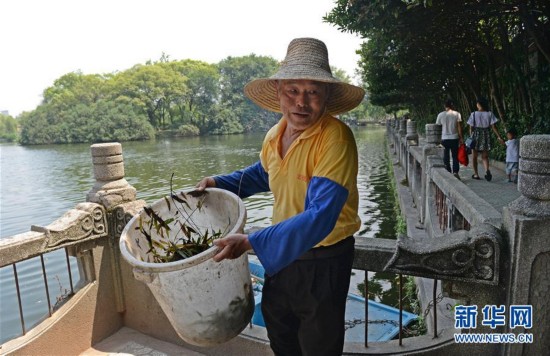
(326, 149)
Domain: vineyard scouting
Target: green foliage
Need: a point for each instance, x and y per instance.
(8, 128)
(188, 130)
(168, 95)
(155, 87)
(225, 123)
(411, 299)
(198, 104)
(419, 53)
(365, 112)
(101, 121)
(235, 73)
(187, 96)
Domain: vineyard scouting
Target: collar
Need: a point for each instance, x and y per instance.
(309, 132)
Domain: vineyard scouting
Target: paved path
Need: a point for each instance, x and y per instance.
(498, 192)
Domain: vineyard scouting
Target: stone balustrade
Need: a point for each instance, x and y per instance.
(520, 232)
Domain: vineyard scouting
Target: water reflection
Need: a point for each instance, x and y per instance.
(40, 183)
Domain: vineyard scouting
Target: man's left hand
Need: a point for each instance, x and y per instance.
(231, 247)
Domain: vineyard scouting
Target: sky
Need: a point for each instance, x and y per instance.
(41, 40)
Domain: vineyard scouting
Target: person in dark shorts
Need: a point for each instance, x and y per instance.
(481, 122)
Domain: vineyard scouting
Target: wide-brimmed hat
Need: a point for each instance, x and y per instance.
(306, 58)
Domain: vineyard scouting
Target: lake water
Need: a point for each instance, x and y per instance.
(40, 183)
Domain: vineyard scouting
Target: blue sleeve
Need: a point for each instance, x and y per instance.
(279, 245)
(246, 182)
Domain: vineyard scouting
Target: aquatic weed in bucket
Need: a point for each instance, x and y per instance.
(184, 238)
(206, 302)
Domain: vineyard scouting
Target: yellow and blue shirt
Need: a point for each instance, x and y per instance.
(314, 187)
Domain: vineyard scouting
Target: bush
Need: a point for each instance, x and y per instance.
(188, 130)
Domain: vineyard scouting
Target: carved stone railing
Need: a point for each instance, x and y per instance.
(88, 232)
(466, 256)
(86, 222)
(509, 249)
(110, 205)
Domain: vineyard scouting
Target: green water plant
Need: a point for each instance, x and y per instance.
(176, 236)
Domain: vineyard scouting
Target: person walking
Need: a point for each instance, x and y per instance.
(309, 161)
(512, 156)
(480, 122)
(451, 136)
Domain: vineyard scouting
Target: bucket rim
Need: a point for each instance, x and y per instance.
(187, 262)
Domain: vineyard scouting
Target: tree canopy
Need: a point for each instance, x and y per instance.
(186, 97)
(8, 128)
(418, 53)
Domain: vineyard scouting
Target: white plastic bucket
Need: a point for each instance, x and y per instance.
(207, 302)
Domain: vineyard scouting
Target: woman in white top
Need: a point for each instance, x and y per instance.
(481, 121)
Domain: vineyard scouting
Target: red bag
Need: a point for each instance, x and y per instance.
(463, 155)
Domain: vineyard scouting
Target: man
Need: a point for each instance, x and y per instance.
(309, 161)
(451, 135)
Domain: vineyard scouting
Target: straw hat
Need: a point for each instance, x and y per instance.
(306, 58)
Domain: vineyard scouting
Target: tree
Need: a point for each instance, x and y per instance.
(197, 106)
(235, 73)
(8, 128)
(154, 87)
(419, 52)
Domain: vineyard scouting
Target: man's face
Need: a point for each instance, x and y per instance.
(303, 102)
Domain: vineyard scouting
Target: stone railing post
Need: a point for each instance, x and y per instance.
(395, 135)
(110, 188)
(527, 221)
(403, 143)
(433, 134)
(412, 135)
(119, 199)
(433, 138)
(402, 127)
(412, 140)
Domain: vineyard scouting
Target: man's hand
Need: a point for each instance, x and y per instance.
(206, 182)
(231, 247)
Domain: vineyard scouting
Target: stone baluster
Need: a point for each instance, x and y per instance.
(433, 134)
(527, 221)
(402, 127)
(110, 188)
(119, 199)
(412, 135)
(395, 135)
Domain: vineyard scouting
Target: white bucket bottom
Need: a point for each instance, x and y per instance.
(203, 316)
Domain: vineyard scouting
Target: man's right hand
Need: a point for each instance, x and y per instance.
(232, 246)
(207, 182)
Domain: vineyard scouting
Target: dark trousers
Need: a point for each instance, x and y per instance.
(304, 305)
(452, 146)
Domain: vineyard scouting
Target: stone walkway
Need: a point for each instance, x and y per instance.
(498, 192)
